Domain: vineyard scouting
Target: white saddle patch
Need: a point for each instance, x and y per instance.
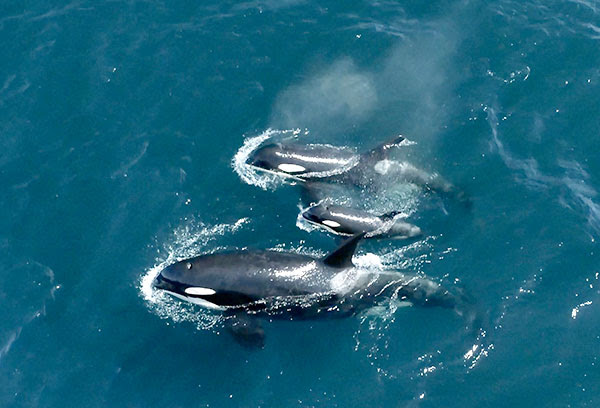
(383, 166)
(296, 273)
(348, 279)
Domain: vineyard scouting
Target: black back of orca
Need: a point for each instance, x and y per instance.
(315, 161)
(303, 161)
(241, 278)
(342, 220)
(349, 221)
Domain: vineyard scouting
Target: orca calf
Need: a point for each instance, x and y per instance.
(349, 221)
(316, 161)
(245, 285)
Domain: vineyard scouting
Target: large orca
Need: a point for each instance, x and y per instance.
(316, 161)
(249, 284)
(342, 220)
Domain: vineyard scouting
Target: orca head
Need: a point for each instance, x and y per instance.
(266, 157)
(186, 281)
(318, 214)
(175, 280)
(275, 157)
(173, 277)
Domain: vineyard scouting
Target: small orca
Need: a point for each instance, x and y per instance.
(349, 221)
(248, 284)
(315, 161)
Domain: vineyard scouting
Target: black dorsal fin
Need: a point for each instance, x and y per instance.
(381, 152)
(342, 256)
(390, 215)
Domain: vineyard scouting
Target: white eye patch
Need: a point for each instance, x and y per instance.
(291, 168)
(331, 223)
(199, 291)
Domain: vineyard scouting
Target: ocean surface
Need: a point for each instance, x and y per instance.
(124, 126)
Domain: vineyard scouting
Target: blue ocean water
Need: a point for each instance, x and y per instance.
(120, 125)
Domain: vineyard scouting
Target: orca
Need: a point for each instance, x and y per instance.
(246, 285)
(316, 161)
(372, 170)
(347, 221)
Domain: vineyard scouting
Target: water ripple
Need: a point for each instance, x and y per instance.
(574, 178)
(24, 294)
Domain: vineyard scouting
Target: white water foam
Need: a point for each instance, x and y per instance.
(301, 222)
(373, 335)
(246, 172)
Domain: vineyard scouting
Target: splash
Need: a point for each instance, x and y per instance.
(479, 350)
(301, 222)
(578, 307)
(375, 325)
(246, 172)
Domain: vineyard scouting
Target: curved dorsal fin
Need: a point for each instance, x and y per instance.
(342, 256)
(381, 151)
(389, 215)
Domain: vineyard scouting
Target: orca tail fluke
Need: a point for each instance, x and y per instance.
(452, 192)
(469, 310)
(463, 198)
